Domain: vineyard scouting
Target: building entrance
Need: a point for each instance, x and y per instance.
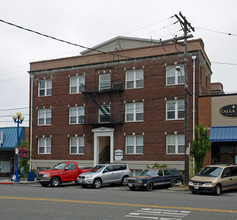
(103, 145)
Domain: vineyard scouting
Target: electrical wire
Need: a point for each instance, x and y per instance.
(219, 32)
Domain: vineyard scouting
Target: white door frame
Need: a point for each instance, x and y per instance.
(103, 132)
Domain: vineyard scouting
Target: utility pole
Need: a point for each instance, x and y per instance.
(186, 27)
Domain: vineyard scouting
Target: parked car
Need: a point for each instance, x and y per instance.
(215, 179)
(62, 172)
(149, 178)
(104, 174)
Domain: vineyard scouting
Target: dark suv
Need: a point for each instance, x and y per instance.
(104, 174)
(150, 178)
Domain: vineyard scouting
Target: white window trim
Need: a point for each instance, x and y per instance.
(45, 89)
(135, 145)
(45, 145)
(78, 146)
(134, 111)
(77, 115)
(78, 79)
(107, 81)
(176, 75)
(176, 110)
(176, 145)
(45, 118)
(134, 79)
(101, 113)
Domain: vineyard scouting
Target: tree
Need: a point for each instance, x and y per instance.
(201, 145)
(24, 156)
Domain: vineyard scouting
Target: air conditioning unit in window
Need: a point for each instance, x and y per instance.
(118, 85)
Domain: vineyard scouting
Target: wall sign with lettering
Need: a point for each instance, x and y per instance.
(229, 111)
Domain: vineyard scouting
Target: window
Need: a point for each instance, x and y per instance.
(175, 109)
(134, 111)
(175, 144)
(134, 79)
(44, 116)
(104, 117)
(134, 144)
(174, 77)
(104, 82)
(77, 84)
(44, 145)
(77, 145)
(71, 166)
(45, 87)
(77, 115)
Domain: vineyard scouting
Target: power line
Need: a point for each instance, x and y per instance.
(63, 41)
(233, 64)
(219, 32)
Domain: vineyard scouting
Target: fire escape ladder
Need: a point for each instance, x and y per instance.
(98, 106)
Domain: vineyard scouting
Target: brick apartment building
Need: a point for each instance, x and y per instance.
(124, 104)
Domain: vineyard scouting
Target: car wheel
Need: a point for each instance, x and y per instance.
(149, 186)
(44, 184)
(194, 192)
(123, 180)
(217, 190)
(97, 183)
(173, 183)
(132, 188)
(55, 181)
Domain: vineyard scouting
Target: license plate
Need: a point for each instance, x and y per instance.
(196, 187)
(130, 184)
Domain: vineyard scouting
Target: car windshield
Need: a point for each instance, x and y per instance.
(210, 171)
(59, 166)
(148, 173)
(97, 169)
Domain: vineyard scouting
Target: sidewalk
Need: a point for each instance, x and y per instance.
(6, 180)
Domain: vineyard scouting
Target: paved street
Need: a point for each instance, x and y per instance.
(31, 201)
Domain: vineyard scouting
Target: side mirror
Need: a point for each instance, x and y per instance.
(66, 168)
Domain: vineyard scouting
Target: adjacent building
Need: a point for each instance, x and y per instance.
(8, 144)
(122, 100)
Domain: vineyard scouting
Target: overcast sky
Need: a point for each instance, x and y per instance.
(89, 23)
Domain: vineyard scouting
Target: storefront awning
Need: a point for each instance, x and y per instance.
(223, 134)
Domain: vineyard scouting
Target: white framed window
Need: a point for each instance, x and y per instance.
(134, 144)
(102, 117)
(175, 144)
(44, 145)
(174, 77)
(44, 116)
(77, 84)
(134, 79)
(45, 87)
(175, 109)
(104, 81)
(134, 111)
(77, 145)
(77, 115)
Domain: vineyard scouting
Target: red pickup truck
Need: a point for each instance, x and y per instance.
(63, 172)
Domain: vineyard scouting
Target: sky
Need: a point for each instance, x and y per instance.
(88, 23)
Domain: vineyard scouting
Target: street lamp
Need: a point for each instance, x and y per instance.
(18, 118)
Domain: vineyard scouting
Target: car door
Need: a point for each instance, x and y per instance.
(226, 179)
(69, 172)
(159, 180)
(233, 174)
(167, 177)
(108, 174)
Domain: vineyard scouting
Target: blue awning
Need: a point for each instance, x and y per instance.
(223, 134)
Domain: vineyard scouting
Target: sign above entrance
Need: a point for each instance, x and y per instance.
(229, 111)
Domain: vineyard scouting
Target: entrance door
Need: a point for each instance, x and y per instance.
(103, 145)
(104, 150)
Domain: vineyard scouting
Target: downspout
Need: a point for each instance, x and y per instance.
(194, 93)
(31, 114)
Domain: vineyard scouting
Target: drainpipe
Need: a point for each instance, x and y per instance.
(194, 94)
(31, 114)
